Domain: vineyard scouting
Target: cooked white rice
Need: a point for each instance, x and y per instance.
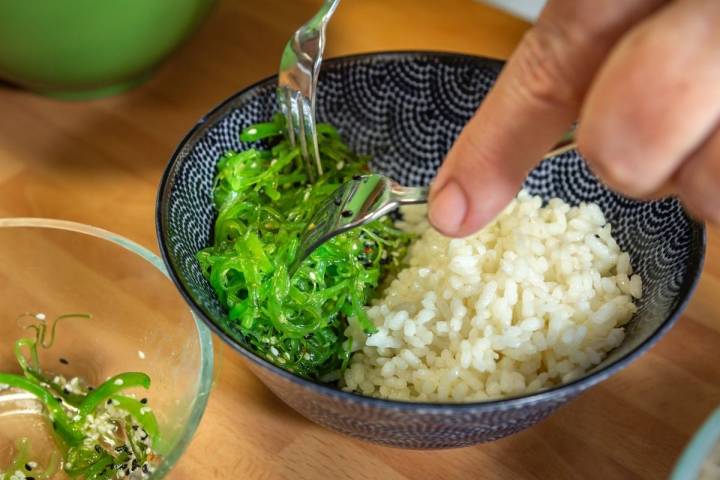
(533, 300)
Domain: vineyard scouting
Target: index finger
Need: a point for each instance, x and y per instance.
(536, 98)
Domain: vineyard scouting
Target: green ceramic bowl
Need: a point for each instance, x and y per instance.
(78, 49)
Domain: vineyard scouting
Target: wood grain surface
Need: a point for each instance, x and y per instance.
(100, 162)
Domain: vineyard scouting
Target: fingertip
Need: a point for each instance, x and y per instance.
(448, 208)
(455, 212)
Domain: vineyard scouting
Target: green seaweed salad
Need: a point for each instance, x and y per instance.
(265, 200)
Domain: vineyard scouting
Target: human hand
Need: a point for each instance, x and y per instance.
(642, 76)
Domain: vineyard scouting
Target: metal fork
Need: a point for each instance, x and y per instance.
(297, 82)
(367, 198)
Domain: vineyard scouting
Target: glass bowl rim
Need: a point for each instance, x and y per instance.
(698, 450)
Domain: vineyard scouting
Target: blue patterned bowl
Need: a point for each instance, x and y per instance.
(405, 109)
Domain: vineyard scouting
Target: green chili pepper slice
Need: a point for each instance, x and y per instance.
(142, 415)
(111, 387)
(69, 431)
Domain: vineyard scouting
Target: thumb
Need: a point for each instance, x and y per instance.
(535, 100)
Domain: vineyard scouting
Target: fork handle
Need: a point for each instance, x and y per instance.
(322, 17)
(410, 195)
(566, 144)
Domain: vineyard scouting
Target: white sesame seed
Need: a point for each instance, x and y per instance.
(252, 131)
(118, 382)
(141, 354)
(40, 316)
(274, 351)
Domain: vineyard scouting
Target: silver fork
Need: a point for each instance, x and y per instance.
(297, 82)
(367, 198)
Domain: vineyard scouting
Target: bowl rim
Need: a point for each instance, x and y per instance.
(701, 446)
(205, 339)
(506, 403)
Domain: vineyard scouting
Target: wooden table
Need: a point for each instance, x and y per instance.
(100, 163)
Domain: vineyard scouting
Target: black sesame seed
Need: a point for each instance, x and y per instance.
(98, 449)
(66, 391)
(356, 177)
(64, 361)
(346, 213)
(58, 399)
(90, 389)
(54, 425)
(135, 464)
(145, 469)
(127, 472)
(144, 401)
(109, 402)
(28, 467)
(337, 201)
(29, 478)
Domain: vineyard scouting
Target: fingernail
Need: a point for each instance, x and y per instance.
(448, 208)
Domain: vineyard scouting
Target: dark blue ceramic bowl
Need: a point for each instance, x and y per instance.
(405, 109)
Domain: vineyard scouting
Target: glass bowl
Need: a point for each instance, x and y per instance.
(138, 323)
(701, 458)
